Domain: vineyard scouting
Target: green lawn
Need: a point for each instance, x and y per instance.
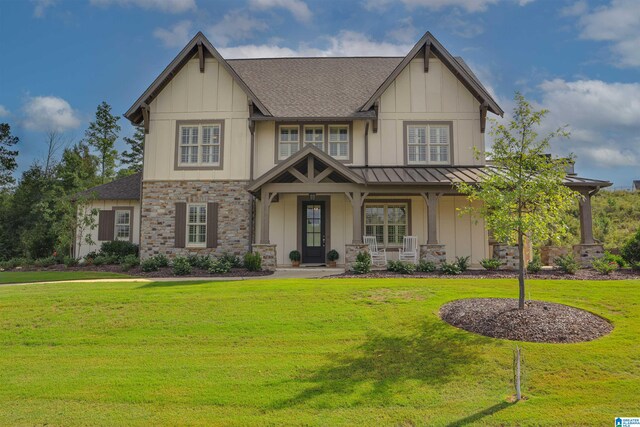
(327, 352)
(55, 276)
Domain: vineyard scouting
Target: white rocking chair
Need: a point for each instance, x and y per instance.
(409, 250)
(378, 256)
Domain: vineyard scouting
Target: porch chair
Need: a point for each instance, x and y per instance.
(409, 250)
(378, 256)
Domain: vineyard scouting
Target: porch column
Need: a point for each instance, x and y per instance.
(586, 221)
(357, 199)
(431, 200)
(266, 198)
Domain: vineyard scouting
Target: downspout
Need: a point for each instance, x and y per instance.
(366, 143)
(252, 212)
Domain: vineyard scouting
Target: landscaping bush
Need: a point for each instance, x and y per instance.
(636, 266)
(233, 260)
(294, 256)
(148, 265)
(450, 268)
(70, 261)
(535, 265)
(105, 260)
(401, 267)
(129, 262)
(15, 262)
(118, 249)
(45, 262)
(253, 261)
(333, 255)
(220, 266)
(631, 249)
(567, 264)
(603, 266)
(490, 263)
(161, 260)
(90, 257)
(199, 261)
(180, 266)
(426, 266)
(362, 264)
(462, 262)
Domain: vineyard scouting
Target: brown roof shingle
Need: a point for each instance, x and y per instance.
(127, 188)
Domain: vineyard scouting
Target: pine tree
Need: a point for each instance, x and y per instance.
(7, 157)
(133, 159)
(102, 135)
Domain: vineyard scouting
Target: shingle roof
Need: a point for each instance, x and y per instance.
(127, 188)
(314, 87)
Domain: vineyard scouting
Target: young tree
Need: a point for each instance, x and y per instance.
(55, 141)
(133, 159)
(102, 135)
(524, 197)
(7, 157)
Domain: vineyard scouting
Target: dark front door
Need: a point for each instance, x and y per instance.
(313, 232)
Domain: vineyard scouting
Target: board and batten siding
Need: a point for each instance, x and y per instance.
(192, 95)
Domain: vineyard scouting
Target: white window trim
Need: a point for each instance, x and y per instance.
(385, 225)
(347, 142)
(428, 144)
(116, 225)
(304, 136)
(200, 145)
(280, 142)
(188, 223)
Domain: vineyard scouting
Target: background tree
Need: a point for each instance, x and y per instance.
(133, 159)
(7, 157)
(525, 198)
(55, 141)
(102, 134)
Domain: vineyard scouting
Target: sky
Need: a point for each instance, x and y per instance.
(580, 59)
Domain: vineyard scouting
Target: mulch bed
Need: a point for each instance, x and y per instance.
(582, 274)
(162, 272)
(539, 322)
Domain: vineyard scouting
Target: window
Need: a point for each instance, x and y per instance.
(199, 145)
(288, 141)
(387, 221)
(197, 225)
(314, 135)
(339, 142)
(428, 144)
(122, 225)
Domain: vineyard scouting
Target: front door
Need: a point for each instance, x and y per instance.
(313, 232)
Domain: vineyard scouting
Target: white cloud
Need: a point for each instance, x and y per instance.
(619, 24)
(467, 28)
(404, 31)
(176, 36)
(576, 9)
(3, 111)
(346, 43)
(466, 5)
(609, 157)
(41, 6)
(169, 6)
(47, 113)
(298, 8)
(235, 25)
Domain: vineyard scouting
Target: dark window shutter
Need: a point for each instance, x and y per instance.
(212, 225)
(106, 225)
(181, 225)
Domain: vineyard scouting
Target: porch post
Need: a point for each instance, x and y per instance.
(586, 221)
(356, 205)
(266, 198)
(431, 199)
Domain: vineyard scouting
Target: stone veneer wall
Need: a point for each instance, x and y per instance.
(586, 253)
(351, 251)
(268, 254)
(158, 215)
(508, 255)
(434, 253)
(549, 253)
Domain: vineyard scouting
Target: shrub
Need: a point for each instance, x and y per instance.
(231, 259)
(535, 265)
(253, 261)
(603, 266)
(631, 249)
(199, 261)
(129, 262)
(462, 262)
(567, 264)
(70, 261)
(15, 262)
(149, 264)
(490, 263)
(100, 260)
(450, 268)
(220, 266)
(45, 262)
(636, 266)
(90, 256)
(401, 267)
(362, 264)
(161, 260)
(180, 266)
(333, 255)
(620, 262)
(426, 266)
(294, 255)
(118, 249)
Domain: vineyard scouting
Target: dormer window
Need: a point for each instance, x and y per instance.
(199, 144)
(428, 143)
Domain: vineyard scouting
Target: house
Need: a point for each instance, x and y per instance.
(273, 155)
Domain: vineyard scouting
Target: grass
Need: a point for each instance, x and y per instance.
(327, 352)
(7, 277)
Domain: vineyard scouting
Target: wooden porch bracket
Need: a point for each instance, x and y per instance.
(427, 51)
(201, 56)
(483, 116)
(295, 172)
(145, 117)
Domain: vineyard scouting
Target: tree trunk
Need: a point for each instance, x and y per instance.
(516, 373)
(521, 270)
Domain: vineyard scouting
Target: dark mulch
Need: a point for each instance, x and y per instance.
(539, 322)
(582, 274)
(162, 272)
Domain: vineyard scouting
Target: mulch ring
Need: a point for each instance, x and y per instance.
(539, 322)
(582, 274)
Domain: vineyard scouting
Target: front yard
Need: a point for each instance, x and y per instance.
(328, 351)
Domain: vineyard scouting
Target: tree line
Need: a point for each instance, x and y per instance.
(38, 212)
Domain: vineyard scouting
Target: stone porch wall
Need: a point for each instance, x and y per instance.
(508, 255)
(158, 215)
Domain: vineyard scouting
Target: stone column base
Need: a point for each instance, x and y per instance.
(351, 251)
(268, 254)
(508, 255)
(549, 253)
(584, 254)
(434, 253)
